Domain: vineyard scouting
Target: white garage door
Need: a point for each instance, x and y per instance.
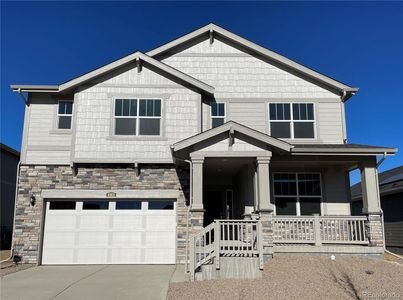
(109, 232)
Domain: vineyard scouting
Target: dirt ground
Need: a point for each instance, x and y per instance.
(305, 277)
(9, 266)
(4, 254)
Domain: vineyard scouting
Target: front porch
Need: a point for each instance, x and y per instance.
(254, 196)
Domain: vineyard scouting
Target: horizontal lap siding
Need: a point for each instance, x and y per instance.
(250, 114)
(394, 234)
(330, 122)
(336, 195)
(43, 145)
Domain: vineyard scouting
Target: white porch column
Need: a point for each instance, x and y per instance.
(263, 184)
(197, 179)
(370, 188)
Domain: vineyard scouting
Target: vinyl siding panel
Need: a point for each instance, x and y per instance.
(335, 191)
(249, 114)
(394, 234)
(44, 145)
(330, 122)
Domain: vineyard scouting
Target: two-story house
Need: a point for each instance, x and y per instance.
(206, 147)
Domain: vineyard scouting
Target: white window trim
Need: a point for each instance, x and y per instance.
(137, 117)
(64, 115)
(218, 117)
(297, 196)
(292, 121)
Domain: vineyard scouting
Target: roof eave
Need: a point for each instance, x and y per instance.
(321, 151)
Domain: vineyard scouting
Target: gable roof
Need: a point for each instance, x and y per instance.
(137, 56)
(236, 127)
(344, 90)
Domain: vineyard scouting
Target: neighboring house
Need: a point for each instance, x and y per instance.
(8, 166)
(391, 192)
(127, 163)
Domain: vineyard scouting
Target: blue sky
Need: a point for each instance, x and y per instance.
(358, 43)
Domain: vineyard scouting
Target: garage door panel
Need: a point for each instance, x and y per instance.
(59, 239)
(67, 222)
(127, 222)
(92, 239)
(127, 256)
(158, 222)
(132, 234)
(125, 238)
(94, 222)
(92, 256)
(58, 256)
(158, 239)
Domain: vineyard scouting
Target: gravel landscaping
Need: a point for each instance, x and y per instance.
(305, 277)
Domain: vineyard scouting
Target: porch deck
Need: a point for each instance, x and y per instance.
(282, 234)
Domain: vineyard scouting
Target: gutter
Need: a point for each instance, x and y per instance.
(26, 102)
(379, 198)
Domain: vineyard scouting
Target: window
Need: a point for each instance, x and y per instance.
(158, 204)
(64, 114)
(137, 117)
(297, 193)
(128, 204)
(62, 205)
(91, 205)
(292, 121)
(217, 114)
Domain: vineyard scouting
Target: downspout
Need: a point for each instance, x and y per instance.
(379, 199)
(382, 215)
(15, 210)
(23, 97)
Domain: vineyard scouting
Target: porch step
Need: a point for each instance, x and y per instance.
(231, 267)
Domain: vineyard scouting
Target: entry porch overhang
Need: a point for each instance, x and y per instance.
(234, 140)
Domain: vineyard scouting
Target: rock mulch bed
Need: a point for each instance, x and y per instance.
(305, 277)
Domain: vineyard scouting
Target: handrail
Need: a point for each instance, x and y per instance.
(226, 238)
(320, 230)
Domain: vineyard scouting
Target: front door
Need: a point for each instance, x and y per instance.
(213, 202)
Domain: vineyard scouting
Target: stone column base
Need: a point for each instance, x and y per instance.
(266, 218)
(374, 230)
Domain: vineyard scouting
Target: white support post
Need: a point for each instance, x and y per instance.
(197, 181)
(370, 190)
(260, 244)
(217, 245)
(264, 184)
(316, 224)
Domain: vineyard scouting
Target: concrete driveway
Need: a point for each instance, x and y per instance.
(91, 282)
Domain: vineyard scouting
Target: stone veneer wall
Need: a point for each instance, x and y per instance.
(374, 229)
(33, 179)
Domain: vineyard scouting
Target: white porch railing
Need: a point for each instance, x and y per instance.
(226, 238)
(320, 230)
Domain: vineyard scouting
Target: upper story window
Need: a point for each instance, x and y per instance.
(64, 114)
(297, 193)
(217, 114)
(292, 120)
(137, 116)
